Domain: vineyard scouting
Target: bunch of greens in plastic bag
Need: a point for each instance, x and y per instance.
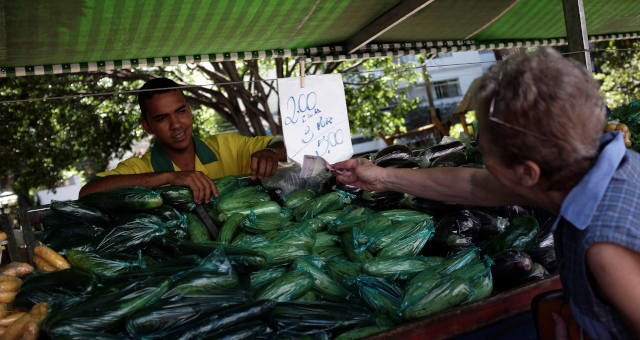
(131, 236)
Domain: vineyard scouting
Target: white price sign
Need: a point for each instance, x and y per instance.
(314, 118)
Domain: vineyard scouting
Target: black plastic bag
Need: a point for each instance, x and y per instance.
(512, 268)
(131, 236)
(225, 319)
(63, 287)
(103, 310)
(298, 318)
(165, 316)
(457, 231)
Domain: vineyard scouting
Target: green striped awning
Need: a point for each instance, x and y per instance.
(63, 36)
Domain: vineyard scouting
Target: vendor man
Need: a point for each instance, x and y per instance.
(179, 158)
(540, 122)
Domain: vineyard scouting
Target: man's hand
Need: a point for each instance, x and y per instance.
(264, 163)
(361, 173)
(201, 185)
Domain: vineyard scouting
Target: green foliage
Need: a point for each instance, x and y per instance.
(456, 130)
(630, 115)
(43, 138)
(620, 76)
(374, 96)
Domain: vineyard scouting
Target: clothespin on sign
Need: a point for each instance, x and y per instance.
(302, 71)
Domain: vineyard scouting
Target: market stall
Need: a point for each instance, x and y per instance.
(326, 254)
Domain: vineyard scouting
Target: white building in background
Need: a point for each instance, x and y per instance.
(451, 74)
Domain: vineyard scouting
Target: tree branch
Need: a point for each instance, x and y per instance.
(352, 67)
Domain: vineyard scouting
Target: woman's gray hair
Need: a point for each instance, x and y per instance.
(554, 98)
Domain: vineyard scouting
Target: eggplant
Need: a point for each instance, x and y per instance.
(435, 208)
(519, 235)
(491, 225)
(393, 151)
(457, 231)
(452, 159)
(381, 200)
(440, 150)
(545, 253)
(404, 163)
(512, 268)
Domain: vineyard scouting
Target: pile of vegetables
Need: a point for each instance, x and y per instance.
(136, 262)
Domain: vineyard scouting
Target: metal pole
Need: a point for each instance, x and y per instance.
(576, 29)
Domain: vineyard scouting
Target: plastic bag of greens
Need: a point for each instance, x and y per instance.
(405, 215)
(322, 283)
(76, 210)
(106, 307)
(327, 252)
(310, 318)
(286, 288)
(448, 292)
(259, 279)
(410, 244)
(278, 253)
(242, 199)
(481, 285)
(226, 184)
(349, 218)
(214, 273)
(286, 216)
(100, 265)
(379, 294)
(458, 260)
(370, 231)
(63, 287)
(400, 230)
(329, 216)
(348, 241)
(327, 202)
(126, 198)
(298, 197)
(519, 235)
(259, 224)
(131, 236)
(420, 285)
(324, 239)
(165, 316)
(344, 271)
(175, 195)
(401, 267)
(310, 225)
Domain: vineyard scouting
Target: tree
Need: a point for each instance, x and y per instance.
(42, 138)
(619, 72)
